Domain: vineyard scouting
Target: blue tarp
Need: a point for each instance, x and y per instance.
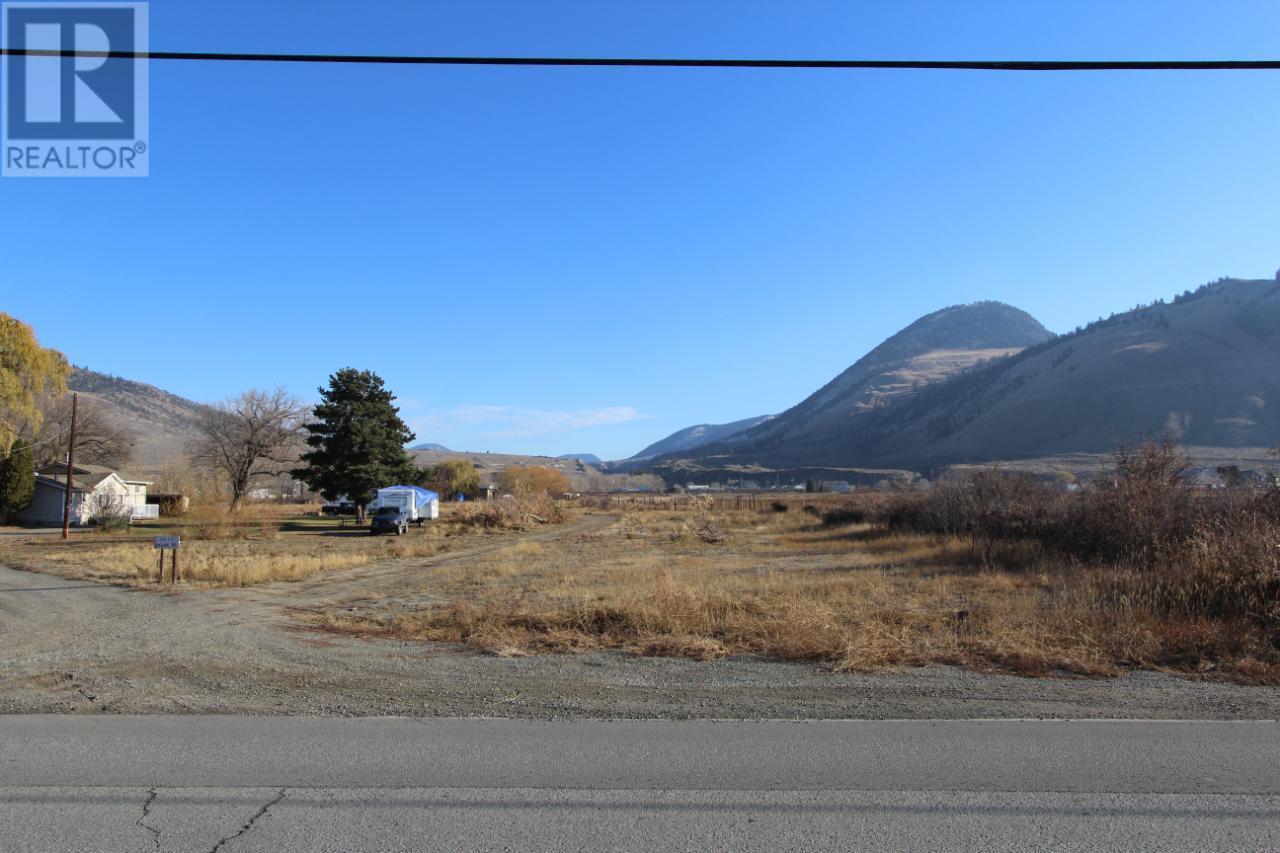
(421, 496)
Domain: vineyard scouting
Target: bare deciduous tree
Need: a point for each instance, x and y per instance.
(254, 435)
(100, 439)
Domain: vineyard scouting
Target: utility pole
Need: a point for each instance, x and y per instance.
(71, 464)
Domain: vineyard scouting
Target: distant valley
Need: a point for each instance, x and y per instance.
(966, 384)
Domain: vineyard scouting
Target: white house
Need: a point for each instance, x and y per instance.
(95, 492)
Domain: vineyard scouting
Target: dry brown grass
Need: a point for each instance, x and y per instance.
(520, 513)
(243, 550)
(253, 521)
(784, 586)
(204, 563)
(858, 590)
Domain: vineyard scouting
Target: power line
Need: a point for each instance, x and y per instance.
(34, 444)
(546, 61)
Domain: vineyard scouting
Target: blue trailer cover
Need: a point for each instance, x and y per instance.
(421, 496)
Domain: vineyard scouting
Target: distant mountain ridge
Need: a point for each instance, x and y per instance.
(988, 382)
(431, 446)
(1203, 369)
(586, 458)
(934, 348)
(691, 438)
(969, 383)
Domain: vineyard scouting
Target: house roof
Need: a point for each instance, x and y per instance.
(80, 468)
(91, 474)
(79, 483)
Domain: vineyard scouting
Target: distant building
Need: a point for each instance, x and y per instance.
(169, 504)
(95, 492)
(342, 505)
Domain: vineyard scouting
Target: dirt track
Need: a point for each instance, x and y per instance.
(82, 647)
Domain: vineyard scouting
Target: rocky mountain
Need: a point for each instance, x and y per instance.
(431, 446)
(164, 425)
(691, 438)
(987, 382)
(937, 347)
(1203, 369)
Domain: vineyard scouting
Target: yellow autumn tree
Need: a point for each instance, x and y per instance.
(528, 480)
(27, 371)
(452, 477)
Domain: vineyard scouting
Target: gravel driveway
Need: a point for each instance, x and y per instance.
(75, 647)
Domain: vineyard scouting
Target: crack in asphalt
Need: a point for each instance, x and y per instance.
(146, 812)
(262, 811)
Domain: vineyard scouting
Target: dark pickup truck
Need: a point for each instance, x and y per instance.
(389, 519)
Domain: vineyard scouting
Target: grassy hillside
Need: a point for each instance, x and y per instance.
(1204, 370)
(691, 438)
(935, 348)
(164, 424)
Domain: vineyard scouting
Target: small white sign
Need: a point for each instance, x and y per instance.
(168, 541)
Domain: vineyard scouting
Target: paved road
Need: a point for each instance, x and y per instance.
(282, 784)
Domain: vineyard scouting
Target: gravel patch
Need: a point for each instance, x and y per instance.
(72, 647)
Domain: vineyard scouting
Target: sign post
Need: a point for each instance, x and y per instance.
(168, 543)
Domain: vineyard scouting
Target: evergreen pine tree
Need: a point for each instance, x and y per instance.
(17, 478)
(357, 440)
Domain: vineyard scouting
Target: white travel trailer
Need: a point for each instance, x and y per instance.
(417, 503)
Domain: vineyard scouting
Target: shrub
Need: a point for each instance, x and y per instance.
(112, 523)
(1141, 513)
(108, 511)
(844, 515)
(1171, 553)
(985, 507)
(511, 514)
(212, 521)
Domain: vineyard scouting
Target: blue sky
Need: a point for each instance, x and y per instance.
(572, 260)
